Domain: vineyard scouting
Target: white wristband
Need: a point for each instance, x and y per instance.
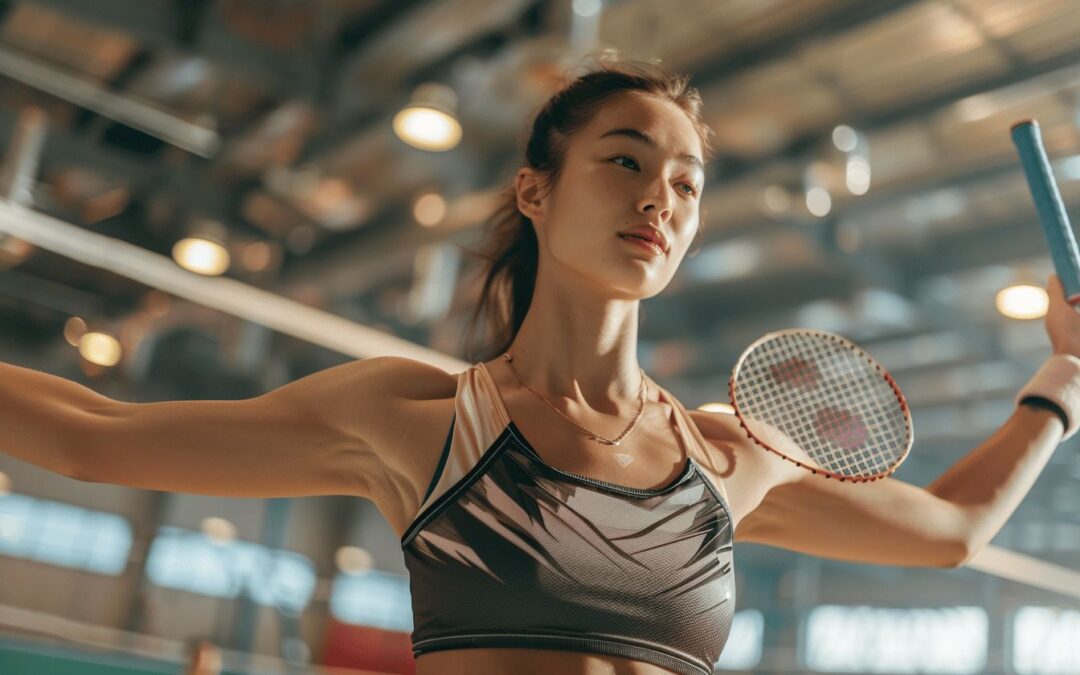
(1057, 380)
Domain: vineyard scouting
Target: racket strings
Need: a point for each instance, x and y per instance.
(830, 401)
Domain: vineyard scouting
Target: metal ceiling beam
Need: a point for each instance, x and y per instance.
(195, 189)
(148, 23)
(1003, 241)
(903, 111)
(88, 94)
(878, 197)
(65, 301)
(1027, 570)
(830, 23)
(226, 295)
(63, 145)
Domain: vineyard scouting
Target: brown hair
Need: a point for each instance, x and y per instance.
(511, 252)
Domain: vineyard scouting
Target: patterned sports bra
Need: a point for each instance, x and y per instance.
(507, 551)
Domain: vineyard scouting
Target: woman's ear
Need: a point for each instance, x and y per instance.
(528, 184)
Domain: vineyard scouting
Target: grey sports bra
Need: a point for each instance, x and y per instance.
(507, 551)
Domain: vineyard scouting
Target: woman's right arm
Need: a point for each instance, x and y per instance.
(314, 436)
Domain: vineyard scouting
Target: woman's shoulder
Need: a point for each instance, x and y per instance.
(411, 408)
(723, 429)
(407, 379)
(373, 398)
(748, 471)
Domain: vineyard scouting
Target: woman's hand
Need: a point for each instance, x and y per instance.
(1062, 320)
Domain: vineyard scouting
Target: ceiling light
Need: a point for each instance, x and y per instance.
(818, 201)
(1022, 301)
(429, 209)
(100, 349)
(857, 175)
(844, 138)
(257, 256)
(975, 108)
(429, 121)
(201, 256)
(74, 329)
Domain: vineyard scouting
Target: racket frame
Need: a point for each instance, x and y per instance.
(909, 427)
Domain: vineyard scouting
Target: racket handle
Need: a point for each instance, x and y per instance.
(1048, 204)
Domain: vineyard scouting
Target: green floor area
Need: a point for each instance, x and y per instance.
(28, 657)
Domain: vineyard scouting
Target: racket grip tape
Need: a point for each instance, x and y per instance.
(1051, 210)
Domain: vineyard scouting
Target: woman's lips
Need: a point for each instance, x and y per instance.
(642, 244)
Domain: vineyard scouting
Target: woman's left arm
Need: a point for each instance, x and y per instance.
(896, 523)
(991, 481)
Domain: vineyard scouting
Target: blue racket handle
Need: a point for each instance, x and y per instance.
(1052, 215)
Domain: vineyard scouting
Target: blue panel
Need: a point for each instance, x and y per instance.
(373, 598)
(191, 561)
(65, 535)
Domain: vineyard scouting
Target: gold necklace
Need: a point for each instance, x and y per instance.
(623, 459)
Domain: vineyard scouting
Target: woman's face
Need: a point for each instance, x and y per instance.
(613, 180)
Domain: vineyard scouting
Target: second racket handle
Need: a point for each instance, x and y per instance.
(1048, 204)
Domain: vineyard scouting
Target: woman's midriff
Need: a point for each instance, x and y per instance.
(504, 661)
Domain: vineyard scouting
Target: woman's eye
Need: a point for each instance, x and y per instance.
(691, 191)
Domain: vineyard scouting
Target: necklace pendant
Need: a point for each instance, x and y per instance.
(623, 460)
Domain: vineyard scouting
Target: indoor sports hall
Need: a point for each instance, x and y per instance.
(621, 337)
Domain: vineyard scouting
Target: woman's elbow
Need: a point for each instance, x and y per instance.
(958, 554)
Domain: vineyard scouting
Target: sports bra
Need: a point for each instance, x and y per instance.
(507, 551)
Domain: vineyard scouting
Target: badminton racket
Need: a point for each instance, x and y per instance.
(818, 400)
(1048, 204)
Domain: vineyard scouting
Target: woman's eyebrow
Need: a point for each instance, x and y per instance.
(639, 135)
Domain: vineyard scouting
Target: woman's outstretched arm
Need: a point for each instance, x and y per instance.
(893, 522)
(316, 435)
(990, 481)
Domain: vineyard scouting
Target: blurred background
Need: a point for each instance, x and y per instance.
(338, 156)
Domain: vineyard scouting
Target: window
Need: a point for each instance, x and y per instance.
(373, 598)
(1046, 641)
(881, 640)
(743, 648)
(65, 535)
(191, 561)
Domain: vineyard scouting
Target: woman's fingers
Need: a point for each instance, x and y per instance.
(1062, 320)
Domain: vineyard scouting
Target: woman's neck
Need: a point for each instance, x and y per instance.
(580, 350)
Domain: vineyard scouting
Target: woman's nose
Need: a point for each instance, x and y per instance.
(659, 199)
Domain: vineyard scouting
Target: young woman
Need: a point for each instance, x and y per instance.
(535, 543)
